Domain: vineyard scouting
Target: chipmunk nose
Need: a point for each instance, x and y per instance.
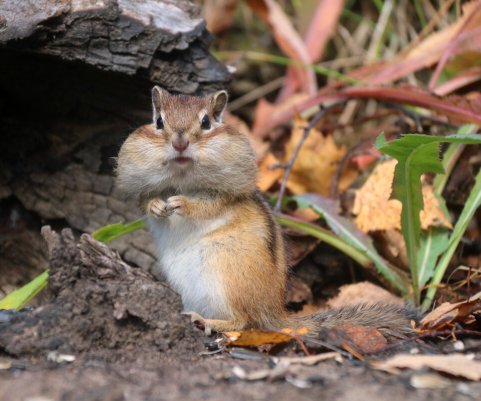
(180, 144)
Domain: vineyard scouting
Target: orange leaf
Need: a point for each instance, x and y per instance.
(256, 338)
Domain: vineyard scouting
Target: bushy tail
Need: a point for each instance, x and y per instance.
(390, 319)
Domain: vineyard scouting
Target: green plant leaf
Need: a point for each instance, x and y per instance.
(113, 231)
(416, 154)
(351, 235)
(19, 298)
(472, 204)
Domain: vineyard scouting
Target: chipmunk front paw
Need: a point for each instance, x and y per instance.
(199, 322)
(158, 208)
(178, 204)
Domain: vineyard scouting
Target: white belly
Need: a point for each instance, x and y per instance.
(183, 263)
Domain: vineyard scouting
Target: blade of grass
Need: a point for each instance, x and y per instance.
(19, 298)
(113, 231)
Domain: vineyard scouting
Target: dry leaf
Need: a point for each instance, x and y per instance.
(446, 314)
(265, 112)
(454, 364)
(364, 339)
(288, 40)
(431, 49)
(314, 168)
(364, 292)
(268, 175)
(375, 211)
(316, 162)
(256, 338)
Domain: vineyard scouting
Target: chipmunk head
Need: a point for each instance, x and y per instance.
(187, 146)
(184, 121)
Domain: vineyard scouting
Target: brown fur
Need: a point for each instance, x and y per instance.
(246, 253)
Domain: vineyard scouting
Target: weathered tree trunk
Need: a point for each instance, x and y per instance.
(75, 79)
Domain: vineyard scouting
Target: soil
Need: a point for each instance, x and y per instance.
(109, 331)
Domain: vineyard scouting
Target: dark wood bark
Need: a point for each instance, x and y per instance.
(75, 79)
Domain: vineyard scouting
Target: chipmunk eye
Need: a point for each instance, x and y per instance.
(205, 124)
(160, 123)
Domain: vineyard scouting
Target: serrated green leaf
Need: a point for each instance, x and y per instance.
(416, 154)
(349, 233)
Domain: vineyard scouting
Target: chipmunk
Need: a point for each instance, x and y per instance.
(218, 243)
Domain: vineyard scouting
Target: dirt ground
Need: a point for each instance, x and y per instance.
(108, 331)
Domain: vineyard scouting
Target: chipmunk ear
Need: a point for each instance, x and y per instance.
(157, 95)
(219, 102)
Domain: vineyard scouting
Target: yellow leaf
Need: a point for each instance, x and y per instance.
(375, 211)
(255, 338)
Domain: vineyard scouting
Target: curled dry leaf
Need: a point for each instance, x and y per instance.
(454, 364)
(375, 210)
(446, 314)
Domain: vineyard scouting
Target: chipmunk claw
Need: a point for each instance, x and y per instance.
(177, 204)
(199, 322)
(158, 208)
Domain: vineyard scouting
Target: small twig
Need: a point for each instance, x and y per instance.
(307, 130)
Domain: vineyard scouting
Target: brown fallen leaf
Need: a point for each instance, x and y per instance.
(256, 338)
(375, 210)
(357, 339)
(453, 364)
(446, 314)
(363, 292)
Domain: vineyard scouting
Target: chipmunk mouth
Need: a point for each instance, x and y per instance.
(182, 160)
